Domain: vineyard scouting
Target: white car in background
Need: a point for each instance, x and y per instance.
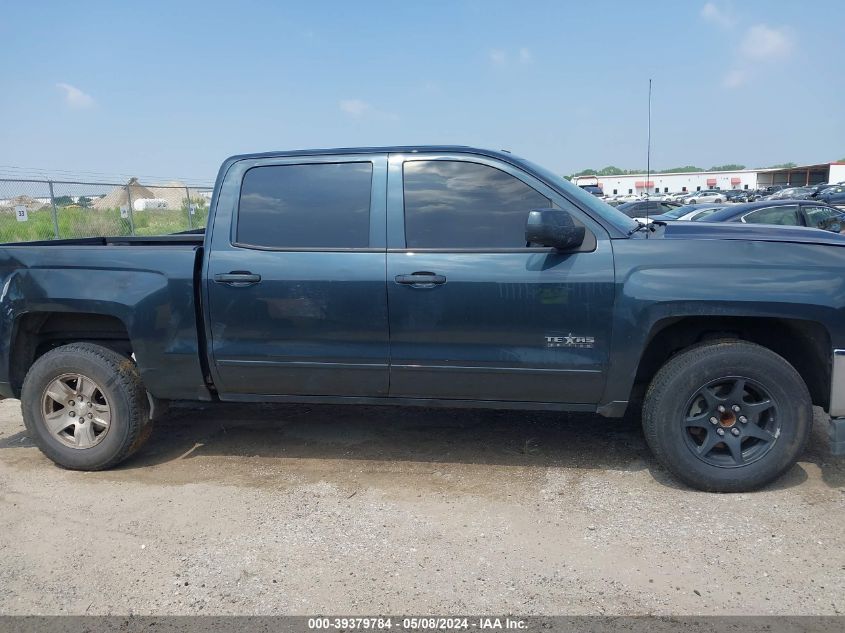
(678, 196)
(708, 195)
(687, 212)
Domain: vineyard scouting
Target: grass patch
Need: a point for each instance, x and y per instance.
(78, 222)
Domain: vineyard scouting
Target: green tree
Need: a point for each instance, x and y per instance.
(611, 170)
(682, 170)
(728, 167)
(63, 201)
(84, 202)
(780, 166)
(584, 172)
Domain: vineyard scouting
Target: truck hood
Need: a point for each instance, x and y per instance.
(749, 232)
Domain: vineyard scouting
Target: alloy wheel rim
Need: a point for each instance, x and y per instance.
(75, 411)
(731, 422)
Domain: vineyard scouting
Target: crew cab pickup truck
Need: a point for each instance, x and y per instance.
(436, 276)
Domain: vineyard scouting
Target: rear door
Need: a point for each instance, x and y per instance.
(295, 281)
(474, 313)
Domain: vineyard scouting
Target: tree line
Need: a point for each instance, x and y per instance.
(612, 170)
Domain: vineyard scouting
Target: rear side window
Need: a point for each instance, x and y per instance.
(456, 204)
(321, 205)
(824, 218)
(785, 215)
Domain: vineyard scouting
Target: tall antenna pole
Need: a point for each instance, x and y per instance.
(648, 157)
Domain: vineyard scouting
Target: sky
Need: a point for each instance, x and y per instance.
(169, 89)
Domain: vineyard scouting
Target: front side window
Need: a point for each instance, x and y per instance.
(320, 205)
(784, 215)
(457, 204)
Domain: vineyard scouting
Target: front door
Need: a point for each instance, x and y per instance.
(474, 313)
(295, 285)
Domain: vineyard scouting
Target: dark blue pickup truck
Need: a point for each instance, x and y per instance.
(436, 276)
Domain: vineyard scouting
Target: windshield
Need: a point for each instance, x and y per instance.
(612, 216)
(677, 212)
(706, 213)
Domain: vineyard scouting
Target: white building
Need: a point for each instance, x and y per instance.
(670, 183)
(740, 179)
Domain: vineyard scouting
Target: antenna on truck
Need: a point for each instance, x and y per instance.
(648, 160)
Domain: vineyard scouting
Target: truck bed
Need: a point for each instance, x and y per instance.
(149, 294)
(178, 239)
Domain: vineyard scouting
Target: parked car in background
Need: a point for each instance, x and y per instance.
(783, 212)
(736, 195)
(646, 208)
(793, 193)
(687, 212)
(596, 191)
(834, 195)
(701, 214)
(766, 192)
(707, 195)
(678, 196)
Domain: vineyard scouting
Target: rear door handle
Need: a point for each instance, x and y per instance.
(422, 279)
(237, 278)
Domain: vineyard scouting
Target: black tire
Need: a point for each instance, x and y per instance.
(119, 383)
(717, 200)
(684, 399)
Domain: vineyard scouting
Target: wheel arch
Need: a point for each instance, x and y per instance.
(803, 343)
(36, 333)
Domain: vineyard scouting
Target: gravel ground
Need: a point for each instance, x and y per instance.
(306, 509)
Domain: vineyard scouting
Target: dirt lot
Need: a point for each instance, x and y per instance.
(304, 509)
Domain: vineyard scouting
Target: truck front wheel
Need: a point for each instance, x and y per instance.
(85, 406)
(728, 416)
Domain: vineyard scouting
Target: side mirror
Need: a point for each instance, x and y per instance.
(555, 228)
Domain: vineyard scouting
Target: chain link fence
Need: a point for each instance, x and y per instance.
(53, 209)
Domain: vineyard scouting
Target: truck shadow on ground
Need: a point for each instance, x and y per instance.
(406, 434)
(460, 436)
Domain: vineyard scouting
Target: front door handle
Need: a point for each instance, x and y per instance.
(237, 278)
(421, 279)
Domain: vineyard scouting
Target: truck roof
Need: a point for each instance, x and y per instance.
(618, 223)
(394, 149)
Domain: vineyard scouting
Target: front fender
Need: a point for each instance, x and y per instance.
(660, 281)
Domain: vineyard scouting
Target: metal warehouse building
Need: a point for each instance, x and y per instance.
(740, 179)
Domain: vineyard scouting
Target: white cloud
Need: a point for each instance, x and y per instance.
(735, 78)
(501, 57)
(763, 42)
(722, 17)
(498, 57)
(74, 97)
(355, 107)
(358, 109)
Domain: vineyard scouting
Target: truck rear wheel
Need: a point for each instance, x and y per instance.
(728, 416)
(85, 406)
